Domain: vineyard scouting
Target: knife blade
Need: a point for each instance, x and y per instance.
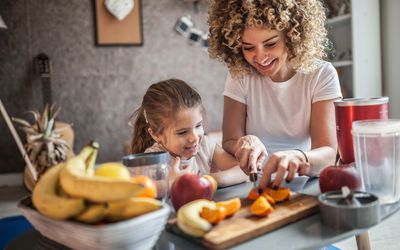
(297, 184)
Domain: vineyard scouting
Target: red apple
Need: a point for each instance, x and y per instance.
(333, 178)
(189, 187)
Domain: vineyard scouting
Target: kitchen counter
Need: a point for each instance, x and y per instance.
(308, 233)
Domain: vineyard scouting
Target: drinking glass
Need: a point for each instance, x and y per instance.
(153, 165)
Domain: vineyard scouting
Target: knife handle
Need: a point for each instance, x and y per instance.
(253, 176)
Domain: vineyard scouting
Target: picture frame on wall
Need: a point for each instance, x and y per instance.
(118, 23)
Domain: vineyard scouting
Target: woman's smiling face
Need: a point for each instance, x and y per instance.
(184, 134)
(266, 51)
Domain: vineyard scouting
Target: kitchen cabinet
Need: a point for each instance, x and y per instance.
(356, 55)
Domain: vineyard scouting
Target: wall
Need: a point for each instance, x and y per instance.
(97, 87)
(390, 54)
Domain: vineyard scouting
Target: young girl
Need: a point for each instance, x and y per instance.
(171, 119)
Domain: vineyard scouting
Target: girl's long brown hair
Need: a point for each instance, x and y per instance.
(160, 103)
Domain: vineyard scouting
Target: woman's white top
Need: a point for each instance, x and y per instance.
(279, 113)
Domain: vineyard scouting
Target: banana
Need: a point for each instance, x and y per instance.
(189, 220)
(94, 212)
(48, 202)
(131, 207)
(91, 158)
(78, 181)
(89, 153)
(195, 232)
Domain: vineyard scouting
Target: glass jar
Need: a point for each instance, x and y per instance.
(153, 165)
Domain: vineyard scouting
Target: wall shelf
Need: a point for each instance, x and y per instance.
(345, 63)
(338, 19)
(356, 55)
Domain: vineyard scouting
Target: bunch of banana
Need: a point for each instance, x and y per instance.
(71, 190)
(131, 207)
(189, 220)
(94, 212)
(50, 202)
(76, 182)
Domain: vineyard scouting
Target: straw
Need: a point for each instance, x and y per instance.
(17, 140)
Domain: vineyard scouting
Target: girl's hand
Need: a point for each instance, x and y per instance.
(176, 170)
(250, 152)
(291, 161)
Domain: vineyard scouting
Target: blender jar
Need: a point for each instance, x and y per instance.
(377, 157)
(153, 165)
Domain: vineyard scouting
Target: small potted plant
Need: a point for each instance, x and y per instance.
(48, 142)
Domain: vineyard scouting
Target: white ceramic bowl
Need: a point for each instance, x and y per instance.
(141, 232)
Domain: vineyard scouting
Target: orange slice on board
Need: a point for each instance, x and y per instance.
(278, 195)
(214, 216)
(261, 207)
(269, 198)
(231, 206)
(253, 195)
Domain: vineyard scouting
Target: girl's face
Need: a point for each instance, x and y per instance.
(265, 50)
(184, 135)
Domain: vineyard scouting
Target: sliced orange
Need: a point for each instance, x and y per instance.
(150, 189)
(231, 206)
(278, 195)
(269, 198)
(261, 207)
(214, 216)
(253, 194)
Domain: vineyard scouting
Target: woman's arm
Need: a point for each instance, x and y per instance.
(323, 136)
(247, 149)
(322, 154)
(233, 123)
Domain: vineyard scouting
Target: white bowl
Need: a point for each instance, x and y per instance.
(141, 232)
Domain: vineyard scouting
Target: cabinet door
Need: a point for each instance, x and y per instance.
(365, 26)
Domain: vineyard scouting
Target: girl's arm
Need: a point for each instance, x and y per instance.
(225, 169)
(230, 176)
(222, 160)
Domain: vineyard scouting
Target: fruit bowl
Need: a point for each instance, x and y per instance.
(141, 232)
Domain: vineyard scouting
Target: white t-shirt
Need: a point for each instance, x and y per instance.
(279, 113)
(201, 162)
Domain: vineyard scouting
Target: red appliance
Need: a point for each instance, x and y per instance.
(353, 109)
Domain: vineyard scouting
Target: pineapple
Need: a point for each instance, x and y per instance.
(45, 145)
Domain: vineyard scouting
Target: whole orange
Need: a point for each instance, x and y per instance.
(150, 189)
(213, 181)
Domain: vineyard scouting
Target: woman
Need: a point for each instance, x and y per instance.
(278, 97)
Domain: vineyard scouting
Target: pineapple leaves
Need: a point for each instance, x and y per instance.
(44, 143)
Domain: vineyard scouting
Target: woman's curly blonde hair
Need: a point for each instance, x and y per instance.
(302, 21)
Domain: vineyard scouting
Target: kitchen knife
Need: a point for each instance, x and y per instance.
(297, 184)
(253, 176)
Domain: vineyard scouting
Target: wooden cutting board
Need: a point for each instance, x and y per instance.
(243, 226)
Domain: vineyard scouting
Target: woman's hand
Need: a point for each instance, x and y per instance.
(291, 161)
(250, 152)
